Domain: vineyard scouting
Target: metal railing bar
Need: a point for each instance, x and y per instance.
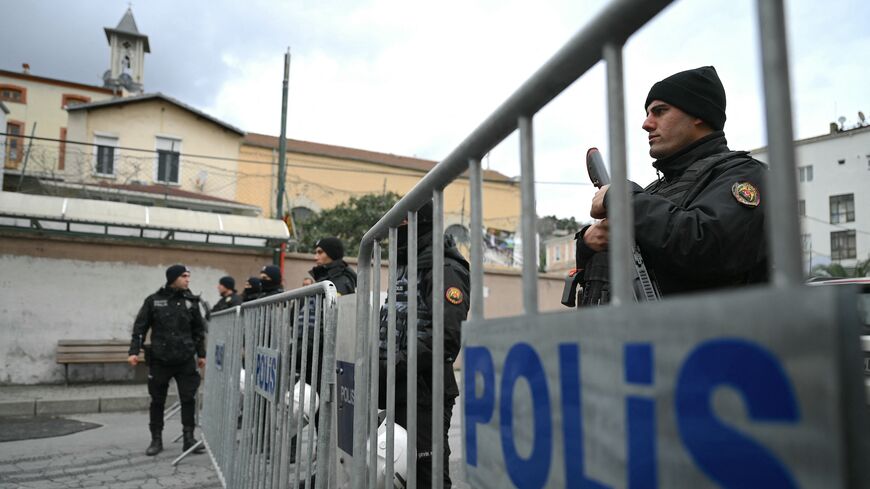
(411, 413)
(619, 211)
(529, 215)
(391, 354)
(438, 339)
(361, 364)
(783, 226)
(476, 181)
(373, 358)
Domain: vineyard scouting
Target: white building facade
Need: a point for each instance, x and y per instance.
(834, 196)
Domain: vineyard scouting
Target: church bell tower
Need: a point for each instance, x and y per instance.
(127, 61)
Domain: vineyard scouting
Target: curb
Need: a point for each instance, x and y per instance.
(39, 407)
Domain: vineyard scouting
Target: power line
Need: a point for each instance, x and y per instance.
(411, 172)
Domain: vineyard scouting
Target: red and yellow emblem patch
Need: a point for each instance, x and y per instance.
(746, 194)
(454, 295)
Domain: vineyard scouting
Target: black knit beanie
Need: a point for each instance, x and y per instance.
(274, 274)
(228, 282)
(332, 246)
(697, 92)
(256, 285)
(175, 271)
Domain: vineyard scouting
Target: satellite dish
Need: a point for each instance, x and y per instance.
(861, 116)
(842, 121)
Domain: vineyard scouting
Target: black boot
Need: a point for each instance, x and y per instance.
(190, 441)
(156, 445)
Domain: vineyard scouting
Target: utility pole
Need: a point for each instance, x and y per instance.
(282, 154)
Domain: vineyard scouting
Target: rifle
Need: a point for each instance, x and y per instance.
(645, 287)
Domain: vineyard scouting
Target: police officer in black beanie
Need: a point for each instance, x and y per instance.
(455, 298)
(700, 225)
(329, 265)
(177, 349)
(228, 296)
(270, 277)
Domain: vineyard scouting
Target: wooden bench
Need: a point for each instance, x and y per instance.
(92, 351)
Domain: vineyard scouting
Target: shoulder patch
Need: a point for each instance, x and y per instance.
(746, 194)
(454, 295)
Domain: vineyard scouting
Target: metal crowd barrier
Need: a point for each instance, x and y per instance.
(263, 399)
(603, 39)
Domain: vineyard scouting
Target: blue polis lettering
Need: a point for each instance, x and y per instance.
(725, 455)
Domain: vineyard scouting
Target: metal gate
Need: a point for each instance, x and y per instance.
(638, 415)
(274, 353)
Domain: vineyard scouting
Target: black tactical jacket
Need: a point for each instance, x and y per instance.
(456, 304)
(339, 273)
(691, 226)
(227, 302)
(176, 324)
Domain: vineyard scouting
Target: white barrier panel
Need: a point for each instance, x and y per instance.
(758, 388)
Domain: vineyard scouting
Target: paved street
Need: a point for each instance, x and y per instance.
(109, 456)
(113, 456)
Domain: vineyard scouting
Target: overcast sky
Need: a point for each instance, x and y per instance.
(414, 78)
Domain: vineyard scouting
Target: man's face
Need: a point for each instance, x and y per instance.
(320, 257)
(223, 290)
(670, 129)
(182, 282)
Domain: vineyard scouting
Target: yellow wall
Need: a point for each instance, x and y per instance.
(136, 125)
(43, 106)
(320, 182)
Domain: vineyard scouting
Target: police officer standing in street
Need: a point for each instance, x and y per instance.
(229, 297)
(455, 296)
(177, 349)
(701, 224)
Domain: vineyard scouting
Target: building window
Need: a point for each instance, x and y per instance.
(105, 155)
(13, 93)
(842, 208)
(558, 256)
(168, 160)
(805, 173)
(70, 99)
(806, 243)
(61, 154)
(14, 143)
(802, 207)
(843, 245)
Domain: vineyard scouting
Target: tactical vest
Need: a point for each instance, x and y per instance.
(424, 317)
(680, 191)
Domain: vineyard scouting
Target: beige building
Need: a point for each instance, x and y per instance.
(155, 150)
(41, 101)
(560, 253)
(321, 176)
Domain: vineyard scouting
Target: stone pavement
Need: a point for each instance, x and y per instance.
(110, 456)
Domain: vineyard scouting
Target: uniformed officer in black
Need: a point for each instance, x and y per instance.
(228, 296)
(701, 224)
(455, 297)
(271, 280)
(329, 265)
(177, 349)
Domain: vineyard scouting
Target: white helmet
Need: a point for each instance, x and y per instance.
(400, 455)
(307, 413)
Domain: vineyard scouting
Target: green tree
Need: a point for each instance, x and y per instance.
(348, 221)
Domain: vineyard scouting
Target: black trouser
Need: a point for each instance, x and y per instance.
(186, 378)
(424, 440)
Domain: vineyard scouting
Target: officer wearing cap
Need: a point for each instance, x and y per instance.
(177, 349)
(700, 225)
(229, 297)
(455, 299)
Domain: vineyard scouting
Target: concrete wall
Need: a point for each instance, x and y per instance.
(54, 288)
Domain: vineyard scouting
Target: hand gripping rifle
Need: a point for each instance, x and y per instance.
(645, 287)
